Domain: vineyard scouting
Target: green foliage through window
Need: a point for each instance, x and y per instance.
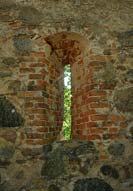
(67, 103)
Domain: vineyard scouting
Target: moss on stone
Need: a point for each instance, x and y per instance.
(123, 100)
(6, 150)
(91, 184)
(54, 165)
(9, 117)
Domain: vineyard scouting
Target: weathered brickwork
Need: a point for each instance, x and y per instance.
(37, 39)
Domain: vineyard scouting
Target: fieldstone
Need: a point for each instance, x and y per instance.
(116, 149)
(108, 170)
(9, 117)
(22, 44)
(53, 187)
(15, 86)
(109, 75)
(54, 166)
(5, 74)
(8, 61)
(82, 149)
(130, 74)
(7, 4)
(30, 16)
(9, 135)
(123, 100)
(6, 150)
(91, 184)
(126, 38)
(47, 149)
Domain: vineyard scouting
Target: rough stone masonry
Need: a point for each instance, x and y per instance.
(37, 39)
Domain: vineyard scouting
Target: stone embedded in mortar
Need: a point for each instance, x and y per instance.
(53, 187)
(7, 5)
(5, 74)
(14, 85)
(123, 99)
(9, 117)
(6, 150)
(116, 149)
(60, 157)
(46, 150)
(8, 134)
(126, 38)
(129, 74)
(30, 16)
(108, 170)
(82, 149)
(9, 61)
(54, 166)
(109, 74)
(91, 184)
(22, 43)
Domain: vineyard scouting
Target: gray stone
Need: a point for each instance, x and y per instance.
(30, 16)
(130, 74)
(7, 5)
(15, 86)
(108, 170)
(5, 74)
(6, 150)
(22, 44)
(53, 187)
(126, 38)
(9, 117)
(54, 166)
(109, 75)
(8, 61)
(116, 149)
(46, 150)
(91, 184)
(123, 99)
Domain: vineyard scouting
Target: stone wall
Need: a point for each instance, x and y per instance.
(37, 39)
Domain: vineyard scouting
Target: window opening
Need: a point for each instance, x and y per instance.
(67, 103)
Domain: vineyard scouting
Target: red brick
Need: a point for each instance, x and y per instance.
(93, 99)
(93, 137)
(43, 129)
(101, 58)
(123, 124)
(35, 76)
(42, 83)
(25, 70)
(27, 105)
(26, 94)
(42, 117)
(105, 86)
(96, 130)
(97, 93)
(35, 135)
(38, 123)
(107, 124)
(91, 124)
(38, 54)
(99, 105)
(41, 105)
(113, 130)
(116, 118)
(35, 111)
(98, 117)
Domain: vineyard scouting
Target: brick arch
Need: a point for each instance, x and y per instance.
(89, 96)
(68, 48)
(92, 116)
